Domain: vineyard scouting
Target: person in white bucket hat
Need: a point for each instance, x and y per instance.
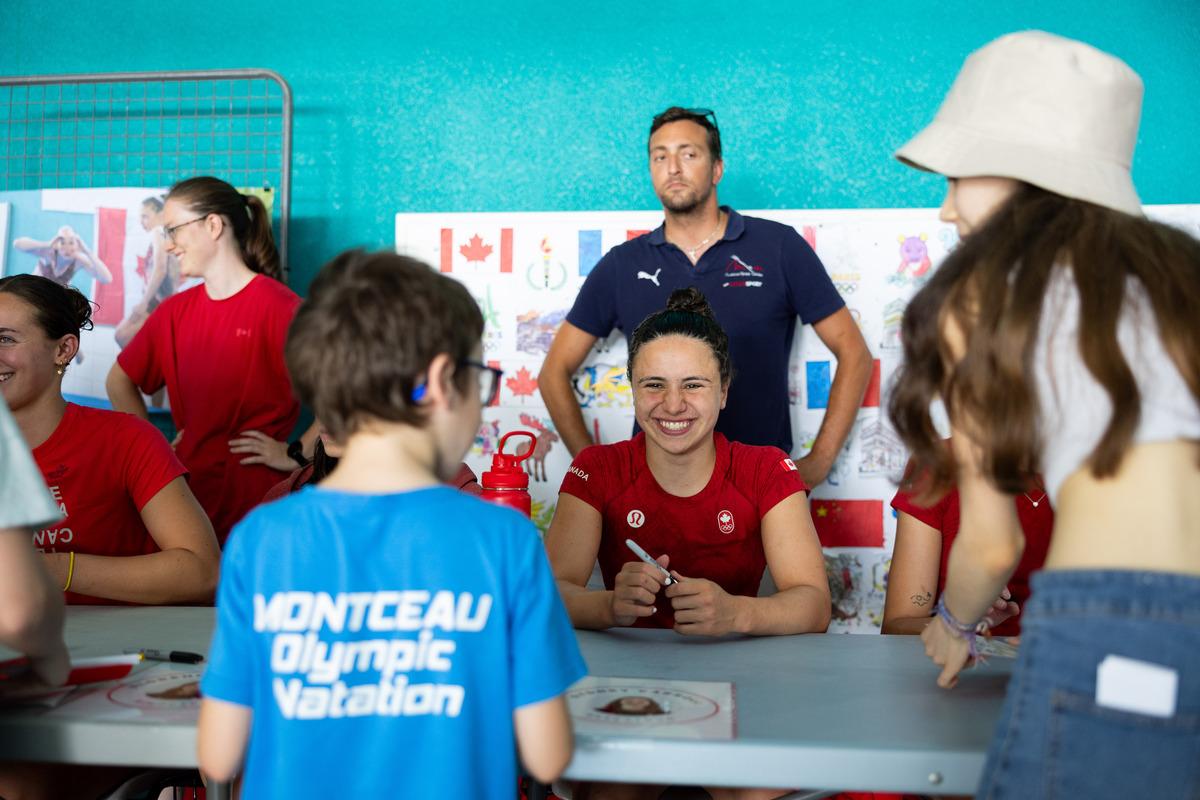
(1063, 335)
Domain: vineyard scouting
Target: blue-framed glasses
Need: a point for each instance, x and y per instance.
(489, 382)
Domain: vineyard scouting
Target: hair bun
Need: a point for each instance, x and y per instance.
(690, 300)
(81, 307)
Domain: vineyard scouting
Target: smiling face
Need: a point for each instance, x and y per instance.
(677, 393)
(28, 358)
(970, 202)
(681, 166)
(191, 242)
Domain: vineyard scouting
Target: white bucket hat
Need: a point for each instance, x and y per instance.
(1050, 111)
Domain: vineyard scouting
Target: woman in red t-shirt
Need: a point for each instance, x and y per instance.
(218, 348)
(131, 530)
(713, 512)
(924, 533)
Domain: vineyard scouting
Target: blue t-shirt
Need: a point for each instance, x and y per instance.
(384, 641)
(757, 278)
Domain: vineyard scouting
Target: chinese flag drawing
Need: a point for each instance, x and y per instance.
(848, 523)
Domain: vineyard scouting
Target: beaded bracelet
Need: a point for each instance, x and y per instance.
(70, 571)
(961, 629)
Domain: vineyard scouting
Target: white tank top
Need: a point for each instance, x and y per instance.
(1075, 409)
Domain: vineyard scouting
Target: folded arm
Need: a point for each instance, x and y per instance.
(184, 571)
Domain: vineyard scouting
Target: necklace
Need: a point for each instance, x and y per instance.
(1038, 501)
(691, 251)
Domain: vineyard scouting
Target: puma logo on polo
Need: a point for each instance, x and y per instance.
(650, 277)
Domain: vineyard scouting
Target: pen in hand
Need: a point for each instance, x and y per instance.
(644, 556)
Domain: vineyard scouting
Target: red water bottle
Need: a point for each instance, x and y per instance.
(506, 484)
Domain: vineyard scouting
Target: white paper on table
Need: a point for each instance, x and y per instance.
(653, 708)
(162, 693)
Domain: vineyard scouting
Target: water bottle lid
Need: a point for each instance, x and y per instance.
(506, 472)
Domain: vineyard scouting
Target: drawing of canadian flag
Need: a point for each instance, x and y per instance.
(470, 247)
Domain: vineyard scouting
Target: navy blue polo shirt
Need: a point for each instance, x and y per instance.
(758, 278)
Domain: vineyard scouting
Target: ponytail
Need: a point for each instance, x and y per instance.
(258, 245)
(245, 214)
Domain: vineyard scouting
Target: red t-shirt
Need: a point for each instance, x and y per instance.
(102, 467)
(715, 534)
(222, 364)
(1036, 521)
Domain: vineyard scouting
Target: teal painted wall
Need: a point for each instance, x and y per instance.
(529, 105)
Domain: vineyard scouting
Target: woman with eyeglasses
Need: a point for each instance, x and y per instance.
(218, 347)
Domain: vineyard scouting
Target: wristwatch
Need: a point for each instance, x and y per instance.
(296, 452)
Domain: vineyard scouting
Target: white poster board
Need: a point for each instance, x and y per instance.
(525, 269)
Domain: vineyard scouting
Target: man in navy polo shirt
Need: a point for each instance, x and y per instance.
(757, 275)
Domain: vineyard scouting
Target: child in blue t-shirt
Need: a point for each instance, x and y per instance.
(381, 634)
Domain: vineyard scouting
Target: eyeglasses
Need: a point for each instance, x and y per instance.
(489, 382)
(705, 112)
(170, 232)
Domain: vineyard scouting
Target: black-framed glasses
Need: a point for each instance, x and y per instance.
(489, 379)
(170, 232)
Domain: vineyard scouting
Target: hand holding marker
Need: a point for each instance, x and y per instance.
(644, 556)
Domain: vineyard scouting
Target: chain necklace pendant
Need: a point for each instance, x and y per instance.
(692, 250)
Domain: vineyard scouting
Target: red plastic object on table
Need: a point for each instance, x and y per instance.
(506, 483)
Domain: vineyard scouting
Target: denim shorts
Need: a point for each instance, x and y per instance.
(1052, 740)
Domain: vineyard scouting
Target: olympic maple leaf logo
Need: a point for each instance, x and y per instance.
(58, 473)
(475, 250)
(524, 385)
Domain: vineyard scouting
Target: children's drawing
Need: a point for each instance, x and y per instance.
(914, 257)
(487, 440)
(536, 329)
(535, 465)
(882, 452)
(893, 318)
(603, 386)
(523, 385)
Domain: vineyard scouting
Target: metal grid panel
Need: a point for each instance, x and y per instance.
(149, 129)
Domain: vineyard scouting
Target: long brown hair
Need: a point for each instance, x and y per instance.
(992, 288)
(246, 214)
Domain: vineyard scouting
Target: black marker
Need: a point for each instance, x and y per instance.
(175, 656)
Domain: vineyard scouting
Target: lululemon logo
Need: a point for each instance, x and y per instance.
(725, 522)
(636, 519)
